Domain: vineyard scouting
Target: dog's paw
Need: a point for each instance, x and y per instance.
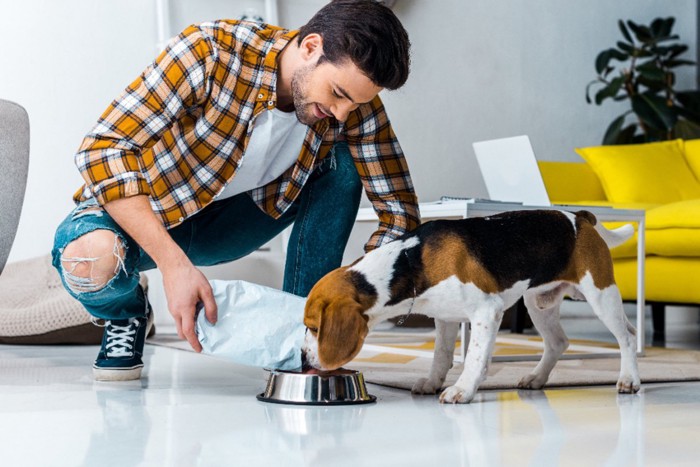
(455, 395)
(628, 385)
(426, 386)
(532, 381)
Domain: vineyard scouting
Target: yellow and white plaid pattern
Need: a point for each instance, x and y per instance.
(178, 132)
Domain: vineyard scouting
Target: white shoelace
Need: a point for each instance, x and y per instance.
(120, 339)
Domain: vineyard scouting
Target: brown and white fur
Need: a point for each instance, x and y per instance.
(473, 270)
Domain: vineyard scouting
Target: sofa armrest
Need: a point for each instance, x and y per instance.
(571, 182)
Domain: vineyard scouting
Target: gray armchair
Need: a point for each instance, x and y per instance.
(34, 306)
(14, 162)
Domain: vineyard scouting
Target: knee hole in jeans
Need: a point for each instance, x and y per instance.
(89, 262)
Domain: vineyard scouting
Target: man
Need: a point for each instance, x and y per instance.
(236, 131)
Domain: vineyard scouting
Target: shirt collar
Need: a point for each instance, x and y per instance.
(267, 93)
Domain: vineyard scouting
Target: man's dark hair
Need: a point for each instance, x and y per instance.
(366, 32)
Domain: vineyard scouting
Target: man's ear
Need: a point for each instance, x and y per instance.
(341, 333)
(311, 47)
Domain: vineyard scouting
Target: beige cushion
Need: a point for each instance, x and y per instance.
(36, 309)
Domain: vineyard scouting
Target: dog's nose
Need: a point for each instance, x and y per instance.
(305, 366)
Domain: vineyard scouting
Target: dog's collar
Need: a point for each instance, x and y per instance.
(413, 283)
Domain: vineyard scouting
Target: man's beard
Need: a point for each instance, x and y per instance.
(302, 108)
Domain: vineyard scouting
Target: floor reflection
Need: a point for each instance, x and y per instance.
(526, 428)
(126, 424)
(290, 436)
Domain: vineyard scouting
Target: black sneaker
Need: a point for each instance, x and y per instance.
(122, 348)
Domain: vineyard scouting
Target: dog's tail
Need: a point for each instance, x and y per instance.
(613, 237)
(617, 236)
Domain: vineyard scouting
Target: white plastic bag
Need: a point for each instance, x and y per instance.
(257, 326)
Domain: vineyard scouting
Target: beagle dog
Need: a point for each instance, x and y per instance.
(473, 270)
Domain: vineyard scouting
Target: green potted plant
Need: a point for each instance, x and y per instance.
(640, 69)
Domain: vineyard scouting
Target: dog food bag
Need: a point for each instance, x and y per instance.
(257, 326)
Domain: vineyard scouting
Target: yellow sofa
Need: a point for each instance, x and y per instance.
(664, 180)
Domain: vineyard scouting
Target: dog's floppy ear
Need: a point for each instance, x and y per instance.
(341, 333)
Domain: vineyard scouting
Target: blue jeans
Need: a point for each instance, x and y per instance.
(323, 217)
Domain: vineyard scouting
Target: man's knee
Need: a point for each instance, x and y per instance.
(89, 262)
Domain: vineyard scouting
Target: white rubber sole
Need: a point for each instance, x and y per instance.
(117, 374)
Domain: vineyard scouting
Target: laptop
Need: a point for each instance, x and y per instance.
(510, 171)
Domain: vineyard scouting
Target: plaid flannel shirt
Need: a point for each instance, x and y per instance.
(178, 132)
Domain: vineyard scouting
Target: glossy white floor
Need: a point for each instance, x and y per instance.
(193, 410)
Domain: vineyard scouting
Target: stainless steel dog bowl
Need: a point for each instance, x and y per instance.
(340, 387)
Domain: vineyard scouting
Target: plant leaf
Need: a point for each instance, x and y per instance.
(604, 57)
(613, 132)
(630, 49)
(588, 90)
(610, 90)
(617, 55)
(653, 74)
(654, 112)
(625, 32)
(607, 71)
(641, 32)
(627, 135)
(649, 65)
(660, 50)
(652, 87)
(675, 63)
(678, 49)
(686, 129)
(657, 26)
(602, 60)
(667, 38)
(667, 26)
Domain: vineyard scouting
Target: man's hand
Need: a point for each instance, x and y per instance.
(185, 286)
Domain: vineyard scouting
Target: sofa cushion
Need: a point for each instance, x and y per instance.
(650, 172)
(683, 214)
(668, 279)
(692, 155)
(570, 181)
(671, 230)
(674, 229)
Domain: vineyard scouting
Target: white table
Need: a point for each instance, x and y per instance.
(460, 209)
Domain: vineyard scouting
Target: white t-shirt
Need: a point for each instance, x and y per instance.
(274, 146)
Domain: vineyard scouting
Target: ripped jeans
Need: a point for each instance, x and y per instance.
(323, 216)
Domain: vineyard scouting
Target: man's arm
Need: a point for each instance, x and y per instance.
(184, 284)
(110, 161)
(112, 156)
(384, 172)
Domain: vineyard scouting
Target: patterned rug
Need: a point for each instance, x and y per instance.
(399, 364)
(399, 359)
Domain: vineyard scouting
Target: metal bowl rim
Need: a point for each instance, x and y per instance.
(370, 399)
(279, 376)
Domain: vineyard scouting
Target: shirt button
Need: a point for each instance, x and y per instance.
(182, 219)
(261, 96)
(270, 103)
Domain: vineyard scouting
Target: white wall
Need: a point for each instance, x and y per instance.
(481, 69)
(64, 61)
